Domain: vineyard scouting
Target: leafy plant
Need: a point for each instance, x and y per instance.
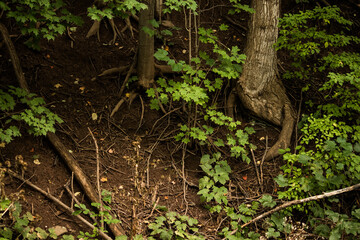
(328, 154)
(21, 224)
(103, 213)
(217, 172)
(112, 8)
(38, 119)
(174, 225)
(195, 88)
(39, 19)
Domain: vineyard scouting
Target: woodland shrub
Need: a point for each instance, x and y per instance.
(38, 20)
(21, 108)
(328, 157)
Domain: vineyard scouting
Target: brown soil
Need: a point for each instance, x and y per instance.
(126, 149)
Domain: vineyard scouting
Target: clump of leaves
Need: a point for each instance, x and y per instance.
(102, 213)
(31, 112)
(21, 225)
(175, 226)
(39, 19)
(328, 155)
(113, 8)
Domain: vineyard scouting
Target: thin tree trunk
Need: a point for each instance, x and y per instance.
(259, 87)
(145, 64)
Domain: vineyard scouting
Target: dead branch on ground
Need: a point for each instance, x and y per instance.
(57, 201)
(299, 201)
(55, 141)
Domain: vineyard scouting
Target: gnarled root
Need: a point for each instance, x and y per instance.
(284, 139)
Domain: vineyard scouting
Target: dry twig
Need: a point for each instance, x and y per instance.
(299, 201)
(98, 176)
(57, 201)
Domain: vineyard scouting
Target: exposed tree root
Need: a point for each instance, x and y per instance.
(117, 70)
(164, 69)
(122, 100)
(284, 139)
(59, 146)
(115, 30)
(230, 104)
(129, 26)
(94, 30)
(259, 87)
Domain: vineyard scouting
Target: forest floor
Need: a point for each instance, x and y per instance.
(141, 163)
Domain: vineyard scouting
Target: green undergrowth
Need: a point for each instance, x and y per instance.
(24, 110)
(326, 158)
(38, 20)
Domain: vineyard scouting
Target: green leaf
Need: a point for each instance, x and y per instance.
(219, 142)
(281, 181)
(329, 146)
(335, 234)
(41, 233)
(304, 159)
(267, 201)
(357, 147)
(272, 233)
(223, 27)
(122, 237)
(154, 23)
(161, 55)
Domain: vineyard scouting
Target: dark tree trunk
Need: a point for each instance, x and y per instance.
(259, 87)
(145, 63)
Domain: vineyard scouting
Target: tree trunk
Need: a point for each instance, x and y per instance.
(145, 63)
(259, 87)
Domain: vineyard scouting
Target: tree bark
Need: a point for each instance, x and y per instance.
(259, 88)
(145, 63)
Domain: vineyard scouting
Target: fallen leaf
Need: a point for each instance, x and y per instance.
(244, 177)
(58, 85)
(77, 194)
(103, 179)
(2, 144)
(262, 138)
(82, 89)
(37, 162)
(166, 197)
(111, 150)
(94, 116)
(59, 230)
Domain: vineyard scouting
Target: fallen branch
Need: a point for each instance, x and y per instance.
(98, 175)
(14, 57)
(55, 141)
(57, 201)
(299, 201)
